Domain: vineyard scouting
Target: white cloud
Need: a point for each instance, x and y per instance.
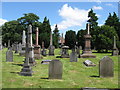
(71, 17)
(97, 8)
(2, 21)
(108, 4)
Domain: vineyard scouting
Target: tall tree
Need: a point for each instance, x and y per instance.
(70, 38)
(56, 37)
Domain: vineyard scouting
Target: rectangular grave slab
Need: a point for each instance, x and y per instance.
(89, 63)
(45, 61)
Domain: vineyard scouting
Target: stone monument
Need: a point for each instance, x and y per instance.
(73, 56)
(55, 69)
(27, 70)
(106, 68)
(51, 47)
(115, 50)
(22, 52)
(37, 51)
(65, 53)
(87, 52)
(43, 49)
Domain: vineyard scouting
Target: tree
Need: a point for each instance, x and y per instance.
(104, 38)
(70, 38)
(56, 37)
(12, 31)
(80, 37)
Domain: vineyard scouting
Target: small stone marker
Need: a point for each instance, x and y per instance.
(89, 63)
(73, 56)
(106, 67)
(9, 55)
(55, 69)
(44, 52)
(45, 61)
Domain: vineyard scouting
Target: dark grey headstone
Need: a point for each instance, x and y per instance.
(73, 56)
(9, 55)
(51, 50)
(65, 53)
(44, 52)
(106, 67)
(55, 69)
(89, 63)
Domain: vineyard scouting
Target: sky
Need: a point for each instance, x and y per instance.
(67, 15)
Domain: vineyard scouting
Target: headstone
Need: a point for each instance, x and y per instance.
(19, 47)
(37, 48)
(16, 47)
(51, 47)
(78, 51)
(106, 67)
(44, 52)
(22, 52)
(9, 55)
(55, 69)
(115, 50)
(73, 56)
(89, 63)
(87, 52)
(45, 61)
(65, 53)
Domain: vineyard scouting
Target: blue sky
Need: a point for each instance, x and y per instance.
(68, 15)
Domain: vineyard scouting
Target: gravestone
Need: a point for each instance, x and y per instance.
(55, 69)
(65, 53)
(106, 67)
(89, 63)
(37, 48)
(78, 51)
(87, 52)
(9, 55)
(19, 47)
(22, 52)
(51, 47)
(115, 50)
(73, 56)
(44, 52)
(16, 47)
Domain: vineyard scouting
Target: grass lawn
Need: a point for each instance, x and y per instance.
(75, 74)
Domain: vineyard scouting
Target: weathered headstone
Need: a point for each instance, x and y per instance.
(51, 47)
(65, 53)
(106, 67)
(37, 48)
(22, 52)
(87, 52)
(19, 47)
(78, 51)
(89, 63)
(115, 50)
(55, 69)
(16, 47)
(73, 56)
(44, 52)
(9, 55)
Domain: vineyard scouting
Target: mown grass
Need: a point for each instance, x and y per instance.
(75, 74)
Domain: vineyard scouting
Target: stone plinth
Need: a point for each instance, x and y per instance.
(37, 52)
(51, 50)
(87, 52)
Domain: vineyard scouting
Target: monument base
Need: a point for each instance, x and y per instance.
(65, 56)
(26, 70)
(115, 52)
(88, 55)
(37, 54)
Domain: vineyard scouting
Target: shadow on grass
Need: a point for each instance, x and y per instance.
(15, 72)
(95, 76)
(58, 57)
(18, 64)
(44, 78)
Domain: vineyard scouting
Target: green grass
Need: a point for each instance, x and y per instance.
(75, 74)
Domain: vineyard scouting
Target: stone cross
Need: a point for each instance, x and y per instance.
(106, 68)
(55, 69)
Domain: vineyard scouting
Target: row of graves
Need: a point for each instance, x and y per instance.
(55, 66)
